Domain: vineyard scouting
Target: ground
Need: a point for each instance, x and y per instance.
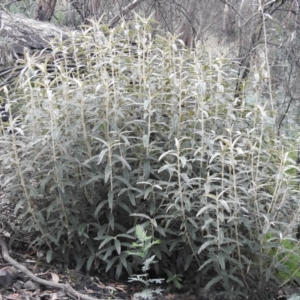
(22, 287)
(93, 286)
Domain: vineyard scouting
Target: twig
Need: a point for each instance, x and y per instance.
(75, 5)
(123, 12)
(233, 8)
(66, 287)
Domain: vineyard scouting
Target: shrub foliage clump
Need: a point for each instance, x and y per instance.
(136, 130)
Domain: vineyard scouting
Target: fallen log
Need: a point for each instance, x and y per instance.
(19, 34)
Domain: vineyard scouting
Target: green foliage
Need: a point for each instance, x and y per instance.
(118, 134)
(285, 253)
(141, 249)
(144, 244)
(22, 7)
(174, 279)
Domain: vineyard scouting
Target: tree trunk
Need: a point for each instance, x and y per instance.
(87, 9)
(45, 10)
(187, 25)
(228, 19)
(92, 9)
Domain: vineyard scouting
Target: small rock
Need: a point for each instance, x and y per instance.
(29, 285)
(7, 276)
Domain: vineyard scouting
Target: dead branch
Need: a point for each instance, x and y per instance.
(65, 287)
(124, 11)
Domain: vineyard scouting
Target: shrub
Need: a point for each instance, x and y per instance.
(140, 249)
(119, 133)
(285, 254)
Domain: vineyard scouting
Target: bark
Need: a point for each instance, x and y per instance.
(228, 19)
(124, 11)
(87, 9)
(18, 33)
(186, 29)
(92, 9)
(45, 10)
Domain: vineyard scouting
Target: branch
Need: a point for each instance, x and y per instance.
(66, 287)
(123, 12)
(75, 5)
(233, 8)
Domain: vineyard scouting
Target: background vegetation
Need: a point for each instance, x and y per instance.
(197, 145)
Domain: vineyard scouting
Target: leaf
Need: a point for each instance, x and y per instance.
(183, 161)
(147, 168)
(101, 155)
(110, 199)
(91, 180)
(188, 261)
(124, 162)
(109, 252)
(160, 230)
(146, 141)
(119, 270)
(107, 172)
(106, 240)
(110, 263)
(49, 255)
(111, 220)
(81, 228)
(236, 280)
(221, 258)
(207, 262)
(125, 235)
(19, 205)
(213, 281)
(266, 227)
(148, 191)
(166, 153)
(268, 16)
(124, 206)
(193, 223)
(54, 277)
(90, 262)
(118, 246)
(174, 244)
(132, 198)
(98, 208)
(157, 253)
(225, 205)
(152, 208)
(205, 245)
(59, 170)
(141, 233)
(207, 207)
(123, 260)
(153, 222)
(141, 216)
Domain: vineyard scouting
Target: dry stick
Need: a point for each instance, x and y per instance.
(123, 12)
(66, 287)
